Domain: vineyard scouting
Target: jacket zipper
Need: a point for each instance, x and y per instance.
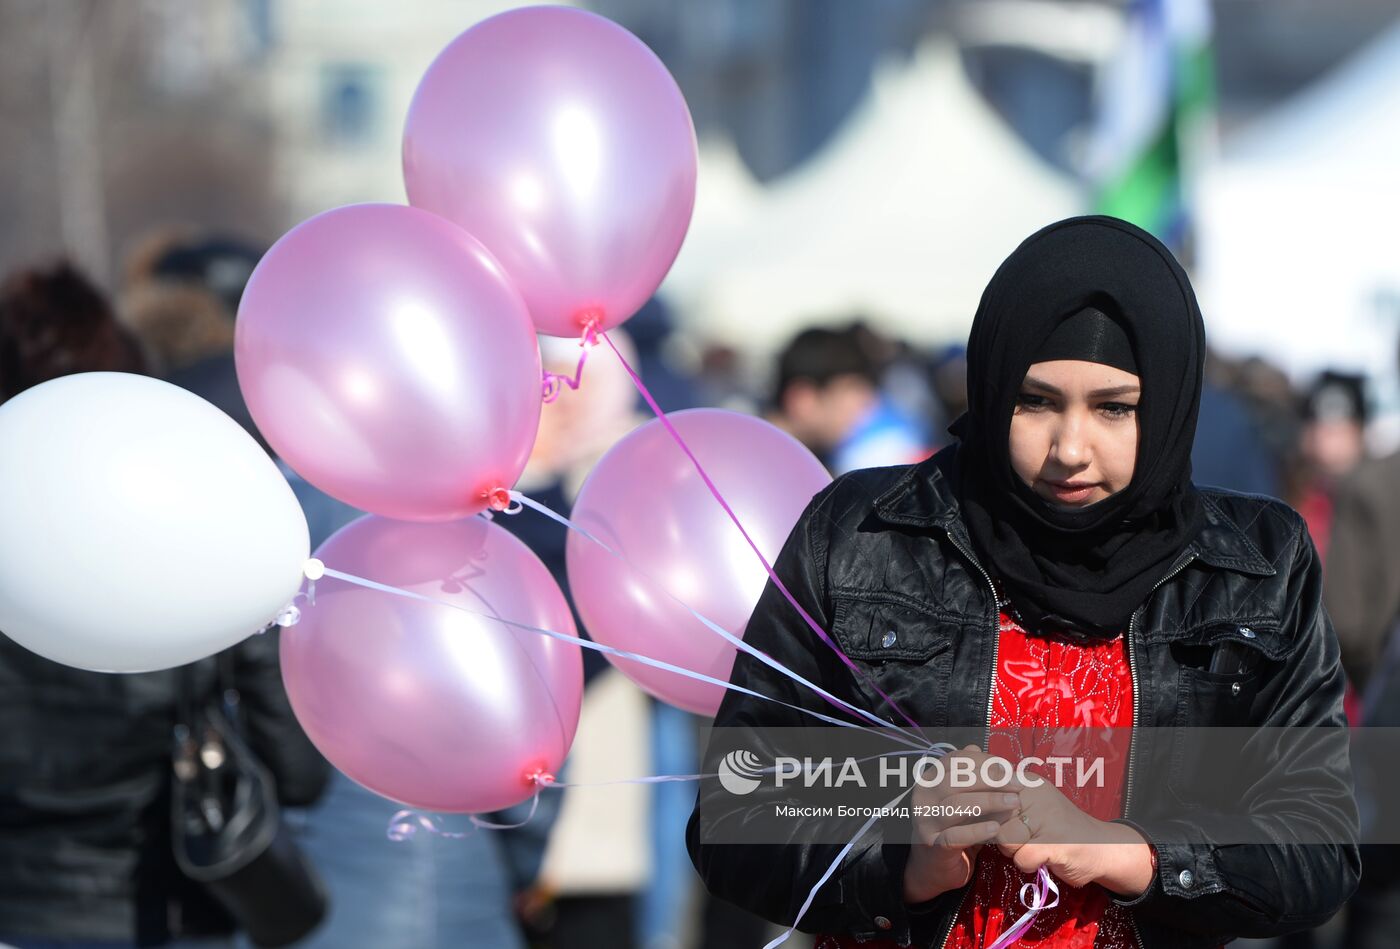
(1132, 738)
(987, 733)
(1132, 675)
(991, 692)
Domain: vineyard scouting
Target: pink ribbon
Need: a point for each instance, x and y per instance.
(554, 382)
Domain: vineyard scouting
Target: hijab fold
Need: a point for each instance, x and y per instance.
(1085, 569)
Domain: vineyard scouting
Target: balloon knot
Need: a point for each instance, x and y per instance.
(502, 501)
(588, 321)
(540, 778)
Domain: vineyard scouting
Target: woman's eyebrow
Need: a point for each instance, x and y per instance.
(1096, 394)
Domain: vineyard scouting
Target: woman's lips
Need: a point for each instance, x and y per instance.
(1071, 491)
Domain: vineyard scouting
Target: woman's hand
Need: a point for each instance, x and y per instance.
(1050, 831)
(946, 845)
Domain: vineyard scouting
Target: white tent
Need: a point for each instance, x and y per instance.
(904, 216)
(1300, 260)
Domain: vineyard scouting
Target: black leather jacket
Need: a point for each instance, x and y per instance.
(85, 773)
(885, 550)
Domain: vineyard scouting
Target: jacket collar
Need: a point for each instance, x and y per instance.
(925, 497)
(1221, 543)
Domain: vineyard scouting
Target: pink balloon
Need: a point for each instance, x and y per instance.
(646, 501)
(424, 704)
(386, 357)
(561, 141)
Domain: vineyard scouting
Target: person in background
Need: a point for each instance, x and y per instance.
(54, 322)
(652, 331)
(1363, 581)
(910, 385)
(181, 298)
(1230, 450)
(85, 766)
(1332, 443)
(1269, 398)
(948, 379)
(663, 899)
(828, 395)
(721, 381)
(1326, 433)
(598, 858)
(1362, 593)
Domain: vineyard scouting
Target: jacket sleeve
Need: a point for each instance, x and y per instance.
(272, 729)
(1300, 799)
(864, 896)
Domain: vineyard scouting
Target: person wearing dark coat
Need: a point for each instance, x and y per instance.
(86, 856)
(1362, 593)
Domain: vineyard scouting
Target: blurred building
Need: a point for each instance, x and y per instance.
(778, 78)
(119, 117)
(903, 215)
(341, 74)
(854, 156)
(1298, 221)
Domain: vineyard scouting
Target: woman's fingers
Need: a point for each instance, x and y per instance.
(963, 807)
(1013, 834)
(966, 835)
(956, 772)
(967, 807)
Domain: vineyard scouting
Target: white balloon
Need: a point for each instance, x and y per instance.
(140, 527)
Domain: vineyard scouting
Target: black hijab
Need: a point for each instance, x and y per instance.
(1086, 569)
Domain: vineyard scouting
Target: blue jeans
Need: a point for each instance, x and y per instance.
(662, 915)
(421, 893)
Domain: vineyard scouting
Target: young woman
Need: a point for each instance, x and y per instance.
(1056, 570)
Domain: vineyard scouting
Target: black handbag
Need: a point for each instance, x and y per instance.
(227, 828)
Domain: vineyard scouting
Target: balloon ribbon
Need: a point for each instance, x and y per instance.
(777, 581)
(554, 382)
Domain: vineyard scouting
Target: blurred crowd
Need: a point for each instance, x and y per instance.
(85, 769)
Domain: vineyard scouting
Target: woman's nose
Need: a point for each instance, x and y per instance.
(1069, 447)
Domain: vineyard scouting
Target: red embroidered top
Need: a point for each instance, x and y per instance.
(1043, 687)
(1055, 697)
